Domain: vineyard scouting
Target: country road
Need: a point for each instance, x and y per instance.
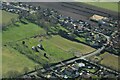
(100, 49)
(70, 61)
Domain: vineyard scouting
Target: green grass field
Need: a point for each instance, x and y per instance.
(12, 60)
(56, 48)
(60, 48)
(113, 6)
(68, 45)
(22, 31)
(7, 16)
(110, 60)
(54, 53)
(107, 60)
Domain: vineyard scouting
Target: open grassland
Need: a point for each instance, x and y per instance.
(12, 60)
(7, 17)
(68, 45)
(110, 60)
(21, 31)
(56, 48)
(60, 48)
(113, 6)
(54, 53)
(16, 55)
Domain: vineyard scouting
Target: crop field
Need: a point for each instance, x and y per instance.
(7, 16)
(113, 6)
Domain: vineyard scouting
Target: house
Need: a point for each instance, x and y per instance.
(81, 64)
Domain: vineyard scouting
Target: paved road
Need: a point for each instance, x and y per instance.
(100, 49)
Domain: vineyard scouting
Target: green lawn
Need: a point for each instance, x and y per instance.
(113, 6)
(12, 60)
(22, 31)
(7, 16)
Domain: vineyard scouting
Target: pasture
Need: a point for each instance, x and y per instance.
(21, 31)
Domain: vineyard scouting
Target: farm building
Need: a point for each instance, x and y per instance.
(97, 17)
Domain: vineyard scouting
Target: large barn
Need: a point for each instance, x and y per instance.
(97, 17)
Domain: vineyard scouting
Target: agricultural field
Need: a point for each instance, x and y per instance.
(56, 48)
(7, 17)
(12, 60)
(68, 45)
(63, 48)
(19, 56)
(113, 6)
(44, 37)
(108, 60)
